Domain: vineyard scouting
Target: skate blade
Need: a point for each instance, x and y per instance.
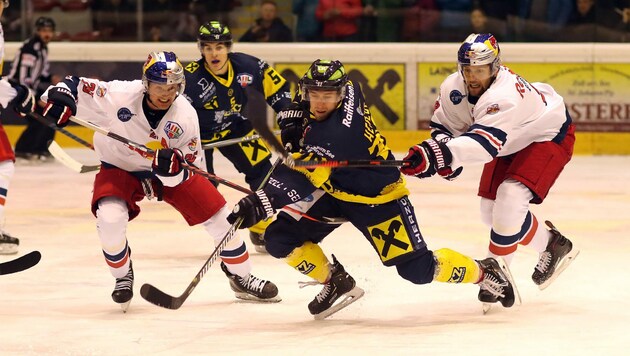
(485, 308)
(250, 298)
(260, 249)
(508, 274)
(564, 263)
(124, 306)
(352, 296)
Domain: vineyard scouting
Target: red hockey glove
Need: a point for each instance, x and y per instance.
(428, 158)
(167, 162)
(61, 105)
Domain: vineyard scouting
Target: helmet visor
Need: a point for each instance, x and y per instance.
(323, 94)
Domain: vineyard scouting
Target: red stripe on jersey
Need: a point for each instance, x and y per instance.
(2, 200)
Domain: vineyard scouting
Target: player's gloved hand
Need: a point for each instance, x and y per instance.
(428, 158)
(252, 209)
(60, 106)
(167, 162)
(24, 101)
(291, 121)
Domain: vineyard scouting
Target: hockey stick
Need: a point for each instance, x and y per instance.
(150, 153)
(154, 295)
(231, 141)
(44, 121)
(21, 263)
(353, 163)
(63, 157)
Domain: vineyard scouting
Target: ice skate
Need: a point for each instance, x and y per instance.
(339, 292)
(252, 288)
(123, 291)
(258, 240)
(556, 258)
(8, 244)
(497, 284)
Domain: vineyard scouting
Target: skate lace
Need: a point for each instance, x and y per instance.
(253, 283)
(322, 294)
(492, 285)
(123, 283)
(544, 261)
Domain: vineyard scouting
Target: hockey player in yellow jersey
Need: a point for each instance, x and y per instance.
(331, 121)
(217, 88)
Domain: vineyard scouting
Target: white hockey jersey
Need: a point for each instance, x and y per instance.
(508, 117)
(117, 107)
(7, 93)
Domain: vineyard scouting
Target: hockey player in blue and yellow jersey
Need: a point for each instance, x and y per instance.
(217, 85)
(331, 121)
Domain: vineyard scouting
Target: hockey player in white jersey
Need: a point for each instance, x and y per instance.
(151, 112)
(521, 131)
(22, 100)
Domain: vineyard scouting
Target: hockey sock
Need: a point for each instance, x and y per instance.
(538, 237)
(235, 255)
(453, 267)
(309, 259)
(7, 168)
(111, 223)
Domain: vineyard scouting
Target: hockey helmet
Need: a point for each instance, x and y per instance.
(43, 22)
(480, 49)
(163, 68)
(214, 31)
(324, 74)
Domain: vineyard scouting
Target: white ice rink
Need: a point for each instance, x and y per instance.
(63, 306)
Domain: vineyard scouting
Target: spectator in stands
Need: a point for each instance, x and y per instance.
(32, 69)
(480, 23)
(340, 19)
(382, 20)
(115, 19)
(558, 14)
(268, 27)
(454, 19)
(308, 28)
(420, 21)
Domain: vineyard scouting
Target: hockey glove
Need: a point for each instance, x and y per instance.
(252, 209)
(24, 101)
(291, 121)
(167, 162)
(61, 105)
(428, 158)
(446, 173)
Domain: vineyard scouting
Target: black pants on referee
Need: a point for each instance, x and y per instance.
(34, 139)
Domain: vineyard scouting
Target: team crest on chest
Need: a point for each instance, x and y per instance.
(173, 130)
(456, 97)
(244, 79)
(124, 114)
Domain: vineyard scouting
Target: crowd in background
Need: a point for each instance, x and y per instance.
(329, 20)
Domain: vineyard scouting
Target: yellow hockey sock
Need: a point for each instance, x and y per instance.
(309, 259)
(261, 226)
(453, 267)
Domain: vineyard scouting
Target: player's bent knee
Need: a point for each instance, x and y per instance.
(418, 270)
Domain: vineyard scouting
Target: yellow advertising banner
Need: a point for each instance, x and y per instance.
(596, 94)
(383, 87)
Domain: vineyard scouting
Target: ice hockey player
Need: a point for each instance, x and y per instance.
(20, 97)
(522, 131)
(331, 121)
(218, 85)
(150, 112)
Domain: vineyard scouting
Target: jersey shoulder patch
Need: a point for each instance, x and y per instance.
(192, 67)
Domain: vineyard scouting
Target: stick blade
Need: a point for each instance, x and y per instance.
(21, 263)
(155, 296)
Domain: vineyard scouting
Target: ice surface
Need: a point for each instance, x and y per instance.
(63, 306)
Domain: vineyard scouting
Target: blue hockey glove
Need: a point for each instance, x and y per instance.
(61, 105)
(252, 209)
(24, 101)
(167, 162)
